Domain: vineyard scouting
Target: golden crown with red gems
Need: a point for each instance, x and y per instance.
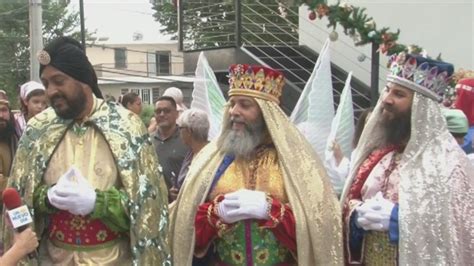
(256, 81)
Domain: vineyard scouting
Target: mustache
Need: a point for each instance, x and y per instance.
(56, 97)
(237, 120)
(388, 108)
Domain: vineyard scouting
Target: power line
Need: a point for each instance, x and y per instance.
(158, 78)
(131, 50)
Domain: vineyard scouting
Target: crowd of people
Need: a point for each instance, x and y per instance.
(105, 190)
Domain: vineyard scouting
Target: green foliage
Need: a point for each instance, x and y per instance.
(147, 113)
(355, 23)
(14, 38)
(166, 15)
(209, 23)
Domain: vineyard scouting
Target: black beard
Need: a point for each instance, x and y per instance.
(8, 132)
(75, 106)
(398, 129)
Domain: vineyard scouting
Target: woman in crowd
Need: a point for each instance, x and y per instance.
(132, 102)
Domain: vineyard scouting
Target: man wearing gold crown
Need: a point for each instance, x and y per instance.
(88, 171)
(258, 195)
(410, 199)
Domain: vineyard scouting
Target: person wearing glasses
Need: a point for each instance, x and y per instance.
(194, 129)
(168, 145)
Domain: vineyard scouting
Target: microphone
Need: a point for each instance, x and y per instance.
(18, 214)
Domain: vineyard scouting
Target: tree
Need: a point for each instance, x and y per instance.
(14, 38)
(209, 23)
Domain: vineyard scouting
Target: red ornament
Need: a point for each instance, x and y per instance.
(312, 15)
(386, 37)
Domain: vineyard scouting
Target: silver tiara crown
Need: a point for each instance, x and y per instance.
(424, 78)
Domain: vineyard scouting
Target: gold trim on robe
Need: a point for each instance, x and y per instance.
(261, 173)
(310, 194)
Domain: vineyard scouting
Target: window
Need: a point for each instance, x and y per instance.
(156, 94)
(123, 91)
(120, 57)
(151, 63)
(163, 62)
(146, 96)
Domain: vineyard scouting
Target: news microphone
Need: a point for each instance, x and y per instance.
(18, 214)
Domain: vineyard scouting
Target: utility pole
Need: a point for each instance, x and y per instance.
(180, 25)
(83, 28)
(36, 37)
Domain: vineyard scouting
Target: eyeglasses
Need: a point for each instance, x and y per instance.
(164, 111)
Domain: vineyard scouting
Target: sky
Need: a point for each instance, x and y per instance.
(118, 20)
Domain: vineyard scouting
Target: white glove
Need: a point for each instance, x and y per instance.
(375, 213)
(223, 210)
(361, 220)
(73, 193)
(242, 205)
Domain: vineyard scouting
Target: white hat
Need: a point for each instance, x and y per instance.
(28, 87)
(177, 95)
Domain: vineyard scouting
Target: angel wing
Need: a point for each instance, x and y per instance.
(314, 110)
(342, 127)
(208, 96)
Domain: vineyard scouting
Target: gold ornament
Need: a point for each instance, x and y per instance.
(43, 57)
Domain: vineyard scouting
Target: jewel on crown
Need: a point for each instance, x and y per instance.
(256, 78)
(406, 66)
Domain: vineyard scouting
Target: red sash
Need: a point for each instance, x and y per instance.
(79, 233)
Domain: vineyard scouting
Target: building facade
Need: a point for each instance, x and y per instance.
(144, 68)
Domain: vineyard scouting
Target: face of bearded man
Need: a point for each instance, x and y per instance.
(7, 128)
(396, 113)
(66, 95)
(246, 129)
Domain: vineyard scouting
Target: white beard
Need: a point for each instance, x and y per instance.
(242, 144)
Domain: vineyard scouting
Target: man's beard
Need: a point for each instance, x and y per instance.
(75, 105)
(243, 143)
(7, 131)
(397, 129)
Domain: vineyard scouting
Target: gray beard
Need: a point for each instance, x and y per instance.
(242, 144)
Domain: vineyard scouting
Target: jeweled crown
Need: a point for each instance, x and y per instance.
(256, 81)
(426, 76)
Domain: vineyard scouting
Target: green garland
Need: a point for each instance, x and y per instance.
(355, 23)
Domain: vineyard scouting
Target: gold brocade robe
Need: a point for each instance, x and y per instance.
(133, 158)
(89, 152)
(317, 213)
(261, 174)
